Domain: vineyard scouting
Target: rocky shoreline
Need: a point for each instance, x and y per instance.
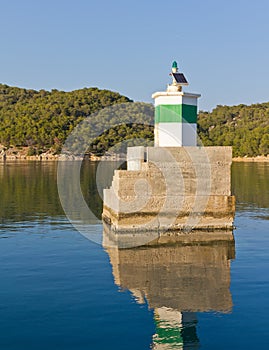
(51, 157)
(22, 154)
(251, 159)
(14, 154)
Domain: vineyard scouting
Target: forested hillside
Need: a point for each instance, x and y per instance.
(42, 120)
(246, 128)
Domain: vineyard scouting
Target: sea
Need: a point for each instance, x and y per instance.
(62, 290)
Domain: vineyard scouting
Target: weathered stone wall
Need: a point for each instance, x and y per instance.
(172, 188)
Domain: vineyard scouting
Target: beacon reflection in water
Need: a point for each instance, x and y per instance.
(177, 280)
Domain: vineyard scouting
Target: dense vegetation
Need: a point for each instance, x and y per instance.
(114, 129)
(42, 120)
(246, 128)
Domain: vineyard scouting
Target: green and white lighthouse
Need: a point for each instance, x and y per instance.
(175, 114)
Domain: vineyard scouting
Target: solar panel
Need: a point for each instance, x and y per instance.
(180, 79)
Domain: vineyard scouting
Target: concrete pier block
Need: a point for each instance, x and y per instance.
(172, 188)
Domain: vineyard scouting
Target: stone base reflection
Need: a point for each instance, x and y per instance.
(177, 276)
(130, 239)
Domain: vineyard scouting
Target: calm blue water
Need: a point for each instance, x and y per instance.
(58, 289)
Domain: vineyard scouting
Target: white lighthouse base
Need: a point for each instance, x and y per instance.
(175, 134)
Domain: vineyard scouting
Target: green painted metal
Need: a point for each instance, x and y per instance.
(174, 64)
(181, 113)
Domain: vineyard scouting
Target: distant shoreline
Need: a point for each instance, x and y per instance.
(251, 159)
(42, 158)
(53, 158)
(49, 157)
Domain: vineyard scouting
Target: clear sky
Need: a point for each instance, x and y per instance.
(128, 46)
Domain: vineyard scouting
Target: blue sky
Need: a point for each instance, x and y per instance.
(128, 46)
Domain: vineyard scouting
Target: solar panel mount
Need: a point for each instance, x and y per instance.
(180, 78)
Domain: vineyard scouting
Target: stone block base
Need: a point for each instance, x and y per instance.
(174, 189)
